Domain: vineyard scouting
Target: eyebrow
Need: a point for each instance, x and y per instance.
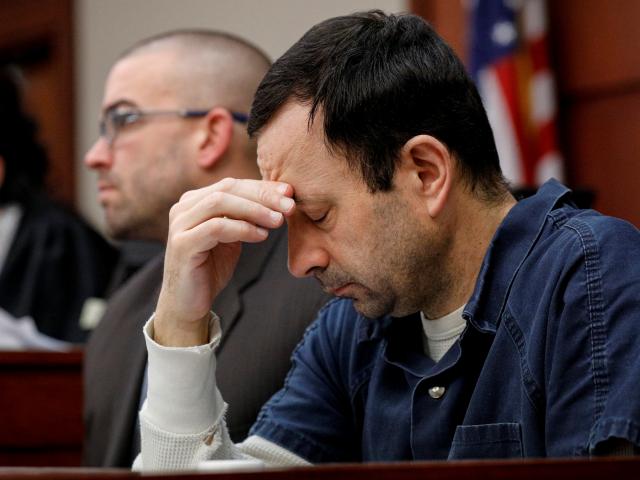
(119, 103)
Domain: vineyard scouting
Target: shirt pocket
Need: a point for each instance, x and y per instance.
(493, 440)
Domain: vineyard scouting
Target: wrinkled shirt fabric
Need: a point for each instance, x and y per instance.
(548, 365)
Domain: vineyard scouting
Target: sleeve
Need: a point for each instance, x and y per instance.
(616, 353)
(593, 369)
(312, 415)
(182, 419)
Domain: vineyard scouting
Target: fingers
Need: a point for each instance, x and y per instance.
(273, 195)
(252, 202)
(207, 235)
(226, 205)
(206, 228)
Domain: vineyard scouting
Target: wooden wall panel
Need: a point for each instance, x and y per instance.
(37, 36)
(449, 18)
(594, 51)
(602, 144)
(595, 44)
(595, 55)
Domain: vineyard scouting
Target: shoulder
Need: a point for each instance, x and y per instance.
(605, 247)
(590, 226)
(585, 236)
(138, 294)
(57, 225)
(581, 258)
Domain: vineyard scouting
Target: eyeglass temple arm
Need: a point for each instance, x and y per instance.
(237, 116)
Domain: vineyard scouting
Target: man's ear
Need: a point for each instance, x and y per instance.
(215, 141)
(427, 165)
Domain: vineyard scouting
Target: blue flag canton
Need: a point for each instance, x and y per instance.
(494, 32)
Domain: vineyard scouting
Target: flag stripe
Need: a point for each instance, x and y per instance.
(509, 39)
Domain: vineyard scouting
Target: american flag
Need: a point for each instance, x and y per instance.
(510, 65)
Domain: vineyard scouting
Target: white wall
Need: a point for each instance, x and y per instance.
(104, 28)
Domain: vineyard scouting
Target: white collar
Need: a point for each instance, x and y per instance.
(443, 327)
(10, 216)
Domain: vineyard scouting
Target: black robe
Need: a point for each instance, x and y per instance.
(55, 262)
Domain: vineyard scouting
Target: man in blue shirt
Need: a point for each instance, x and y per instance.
(471, 326)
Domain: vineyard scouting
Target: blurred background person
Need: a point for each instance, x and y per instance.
(174, 119)
(51, 261)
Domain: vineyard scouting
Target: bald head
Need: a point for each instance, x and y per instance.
(146, 163)
(208, 68)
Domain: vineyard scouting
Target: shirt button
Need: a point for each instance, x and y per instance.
(436, 392)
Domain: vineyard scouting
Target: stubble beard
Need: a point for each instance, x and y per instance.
(412, 269)
(144, 215)
(120, 226)
(405, 268)
(124, 222)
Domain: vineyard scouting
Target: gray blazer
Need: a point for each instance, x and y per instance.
(264, 312)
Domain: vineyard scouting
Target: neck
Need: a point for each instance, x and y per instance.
(473, 224)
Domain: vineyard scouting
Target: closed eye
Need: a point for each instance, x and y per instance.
(318, 219)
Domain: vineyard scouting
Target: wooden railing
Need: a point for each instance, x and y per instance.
(40, 408)
(610, 468)
(41, 425)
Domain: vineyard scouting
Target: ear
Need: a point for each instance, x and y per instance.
(427, 166)
(217, 136)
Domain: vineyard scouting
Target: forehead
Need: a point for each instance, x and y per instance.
(142, 78)
(289, 151)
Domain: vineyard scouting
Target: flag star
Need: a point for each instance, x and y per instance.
(504, 33)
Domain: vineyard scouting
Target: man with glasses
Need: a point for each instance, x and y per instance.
(174, 119)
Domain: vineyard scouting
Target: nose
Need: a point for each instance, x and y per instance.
(306, 252)
(99, 155)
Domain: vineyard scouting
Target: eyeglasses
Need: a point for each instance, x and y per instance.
(113, 121)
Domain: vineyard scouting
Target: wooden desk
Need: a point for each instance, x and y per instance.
(40, 408)
(618, 469)
(41, 424)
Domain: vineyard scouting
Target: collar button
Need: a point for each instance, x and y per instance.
(436, 392)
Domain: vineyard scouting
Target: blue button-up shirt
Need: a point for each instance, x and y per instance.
(548, 365)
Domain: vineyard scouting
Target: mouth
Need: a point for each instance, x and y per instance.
(102, 185)
(340, 291)
(105, 190)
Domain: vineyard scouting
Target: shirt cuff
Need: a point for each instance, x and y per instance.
(182, 395)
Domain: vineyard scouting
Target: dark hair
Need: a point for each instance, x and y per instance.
(24, 157)
(380, 80)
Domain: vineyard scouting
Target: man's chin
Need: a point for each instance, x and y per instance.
(370, 309)
(118, 232)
